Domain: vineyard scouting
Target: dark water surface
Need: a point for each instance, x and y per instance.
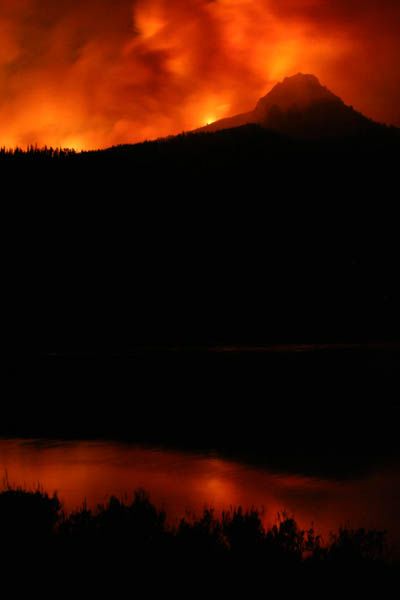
(184, 482)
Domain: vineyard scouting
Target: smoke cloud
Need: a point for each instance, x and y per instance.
(92, 73)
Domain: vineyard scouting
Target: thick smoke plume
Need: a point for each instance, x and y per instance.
(92, 73)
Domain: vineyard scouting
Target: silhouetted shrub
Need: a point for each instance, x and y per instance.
(125, 540)
(28, 517)
(357, 546)
(243, 530)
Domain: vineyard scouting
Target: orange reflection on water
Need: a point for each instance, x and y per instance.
(182, 482)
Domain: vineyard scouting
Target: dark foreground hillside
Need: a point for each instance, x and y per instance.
(243, 235)
(132, 544)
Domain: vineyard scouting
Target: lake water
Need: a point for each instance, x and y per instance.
(184, 482)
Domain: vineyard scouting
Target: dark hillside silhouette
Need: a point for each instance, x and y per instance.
(242, 236)
(238, 236)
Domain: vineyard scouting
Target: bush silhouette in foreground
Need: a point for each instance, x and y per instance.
(28, 517)
(138, 526)
(124, 546)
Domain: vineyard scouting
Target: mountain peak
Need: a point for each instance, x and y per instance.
(297, 92)
(300, 106)
(301, 79)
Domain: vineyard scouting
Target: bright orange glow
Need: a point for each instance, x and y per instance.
(92, 74)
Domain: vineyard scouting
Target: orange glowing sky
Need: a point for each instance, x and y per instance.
(92, 73)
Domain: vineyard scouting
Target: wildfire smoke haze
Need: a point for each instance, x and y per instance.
(93, 73)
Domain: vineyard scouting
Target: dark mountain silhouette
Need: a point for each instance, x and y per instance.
(190, 239)
(242, 236)
(301, 107)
